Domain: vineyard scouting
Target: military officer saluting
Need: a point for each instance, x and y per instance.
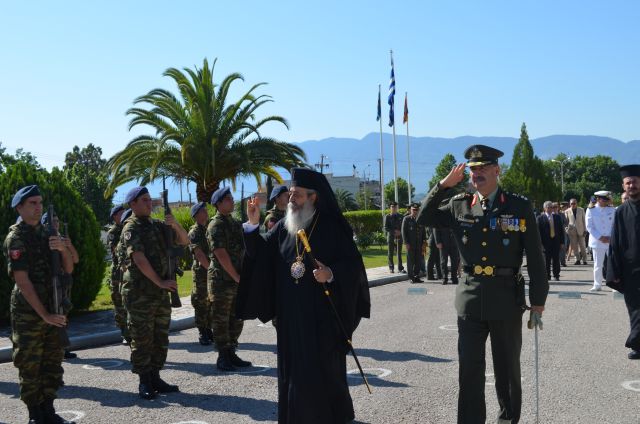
(37, 349)
(393, 226)
(413, 237)
(492, 228)
(226, 247)
(280, 197)
(200, 250)
(145, 290)
(113, 237)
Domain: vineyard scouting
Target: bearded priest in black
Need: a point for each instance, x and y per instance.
(280, 281)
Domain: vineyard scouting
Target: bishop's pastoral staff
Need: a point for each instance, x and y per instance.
(280, 281)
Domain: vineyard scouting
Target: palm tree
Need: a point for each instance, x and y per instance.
(199, 137)
(345, 200)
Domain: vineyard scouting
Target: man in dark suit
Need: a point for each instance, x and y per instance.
(552, 237)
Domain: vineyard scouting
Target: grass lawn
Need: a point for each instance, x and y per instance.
(373, 257)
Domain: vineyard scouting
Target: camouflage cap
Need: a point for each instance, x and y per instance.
(24, 193)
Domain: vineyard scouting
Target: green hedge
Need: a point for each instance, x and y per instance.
(83, 230)
(366, 222)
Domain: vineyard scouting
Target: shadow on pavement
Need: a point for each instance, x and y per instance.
(210, 370)
(383, 355)
(373, 382)
(10, 388)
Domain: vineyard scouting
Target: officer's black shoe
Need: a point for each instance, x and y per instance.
(224, 361)
(584, 262)
(445, 282)
(634, 354)
(161, 386)
(204, 337)
(454, 281)
(69, 355)
(391, 269)
(50, 416)
(145, 388)
(402, 271)
(35, 415)
(237, 361)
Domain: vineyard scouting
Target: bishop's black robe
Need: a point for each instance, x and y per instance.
(312, 382)
(623, 263)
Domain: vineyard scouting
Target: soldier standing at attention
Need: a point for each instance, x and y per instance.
(145, 290)
(113, 237)
(392, 226)
(226, 247)
(413, 236)
(447, 248)
(200, 250)
(492, 229)
(37, 349)
(280, 197)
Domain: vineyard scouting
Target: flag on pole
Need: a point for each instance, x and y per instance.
(405, 118)
(392, 93)
(379, 105)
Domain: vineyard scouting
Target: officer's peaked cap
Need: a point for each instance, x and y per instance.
(479, 154)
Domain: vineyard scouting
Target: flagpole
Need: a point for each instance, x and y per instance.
(406, 112)
(393, 126)
(381, 162)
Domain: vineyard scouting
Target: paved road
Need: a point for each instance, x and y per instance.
(410, 342)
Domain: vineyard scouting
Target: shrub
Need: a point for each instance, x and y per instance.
(82, 225)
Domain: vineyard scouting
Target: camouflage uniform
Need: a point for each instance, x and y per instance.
(274, 214)
(224, 232)
(148, 306)
(37, 350)
(199, 296)
(115, 282)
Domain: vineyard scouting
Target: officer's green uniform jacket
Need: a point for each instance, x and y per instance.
(225, 232)
(496, 240)
(412, 233)
(198, 238)
(392, 221)
(144, 234)
(273, 214)
(113, 238)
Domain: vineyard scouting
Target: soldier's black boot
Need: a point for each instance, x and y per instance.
(224, 360)
(237, 361)
(203, 338)
(50, 416)
(35, 415)
(145, 388)
(210, 334)
(161, 386)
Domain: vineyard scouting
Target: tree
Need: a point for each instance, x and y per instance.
(201, 136)
(20, 156)
(70, 208)
(442, 170)
(526, 174)
(85, 171)
(403, 198)
(364, 199)
(345, 200)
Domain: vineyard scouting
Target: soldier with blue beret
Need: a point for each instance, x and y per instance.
(199, 248)
(492, 229)
(280, 198)
(145, 290)
(37, 349)
(226, 250)
(115, 210)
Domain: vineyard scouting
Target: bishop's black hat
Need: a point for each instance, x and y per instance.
(630, 171)
(479, 154)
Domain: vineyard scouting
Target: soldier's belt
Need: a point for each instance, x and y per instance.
(490, 271)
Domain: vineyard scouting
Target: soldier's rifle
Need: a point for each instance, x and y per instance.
(172, 253)
(59, 295)
(307, 247)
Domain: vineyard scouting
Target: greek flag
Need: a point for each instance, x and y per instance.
(392, 93)
(379, 105)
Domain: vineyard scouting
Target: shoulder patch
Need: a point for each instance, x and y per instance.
(460, 196)
(192, 236)
(127, 235)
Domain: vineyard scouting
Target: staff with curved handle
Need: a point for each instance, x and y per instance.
(303, 237)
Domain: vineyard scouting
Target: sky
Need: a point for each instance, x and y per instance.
(71, 69)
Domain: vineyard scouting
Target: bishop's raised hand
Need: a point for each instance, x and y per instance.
(253, 210)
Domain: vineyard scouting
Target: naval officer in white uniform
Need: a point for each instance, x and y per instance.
(599, 224)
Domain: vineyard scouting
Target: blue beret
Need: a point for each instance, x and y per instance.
(277, 191)
(196, 208)
(45, 215)
(219, 194)
(125, 215)
(134, 193)
(115, 210)
(24, 193)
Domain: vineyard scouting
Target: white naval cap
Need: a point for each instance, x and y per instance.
(602, 193)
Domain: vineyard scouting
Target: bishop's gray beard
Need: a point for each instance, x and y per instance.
(298, 218)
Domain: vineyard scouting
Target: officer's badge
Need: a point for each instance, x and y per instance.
(505, 242)
(127, 235)
(15, 254)
(475, 153)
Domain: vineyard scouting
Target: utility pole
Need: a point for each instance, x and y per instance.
(322, 165)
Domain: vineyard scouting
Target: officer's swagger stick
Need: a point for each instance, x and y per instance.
(302, 235)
